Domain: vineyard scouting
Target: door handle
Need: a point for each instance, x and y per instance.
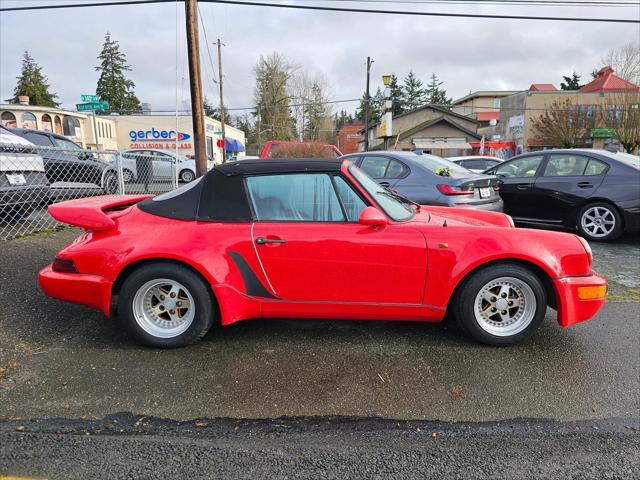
(384, 184)
(262, 240)
(585, 184)
(523, 186)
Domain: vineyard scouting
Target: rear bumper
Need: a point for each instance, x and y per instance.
(91, 290)
(491, 206)
(572, 309)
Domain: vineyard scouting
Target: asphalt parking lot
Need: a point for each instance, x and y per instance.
(61, 360)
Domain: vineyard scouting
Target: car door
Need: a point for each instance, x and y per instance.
(384, 170)
(517, 177)
(162, 165)
(566, 180)
(313, 249)
(55, 163)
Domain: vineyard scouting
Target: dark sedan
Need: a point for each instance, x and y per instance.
(430, 180)
(70, 167)
(594, 191)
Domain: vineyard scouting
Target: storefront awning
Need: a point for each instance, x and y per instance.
(436, 144)
(233, 145)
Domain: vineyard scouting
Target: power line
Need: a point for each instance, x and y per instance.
(329, 9)
(525, 3)
(411, 13)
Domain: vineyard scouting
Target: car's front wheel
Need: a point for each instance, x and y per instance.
(165, 305)
(501, 304)
(187, 176)
(599, 222)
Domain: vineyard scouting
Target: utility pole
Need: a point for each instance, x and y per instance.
(224, 137)
(195, 83)
(366, 107)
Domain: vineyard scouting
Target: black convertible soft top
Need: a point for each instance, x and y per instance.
(220, 196)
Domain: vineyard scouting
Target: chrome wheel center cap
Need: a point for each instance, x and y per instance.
(501, 304)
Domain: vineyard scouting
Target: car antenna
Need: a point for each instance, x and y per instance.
(445, 223)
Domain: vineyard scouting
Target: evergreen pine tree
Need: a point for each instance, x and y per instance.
(571, 83)
(414, 94)
(113, 87)
(33, 84)
(376, 104)
(397, 99)
(435, 94)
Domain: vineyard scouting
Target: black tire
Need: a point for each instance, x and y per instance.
(609, 212)
(110, 185)
(203, 303)
(187, 176)
(464, 307)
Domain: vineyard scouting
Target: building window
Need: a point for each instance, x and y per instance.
(71, 126)
(28, 120)
(58, 125)
(8, 120)
(109, 126)
(47, 124)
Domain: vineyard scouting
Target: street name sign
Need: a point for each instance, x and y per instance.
(87, 98)
(83, 107)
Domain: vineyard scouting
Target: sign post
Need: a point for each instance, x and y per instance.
(91, 103)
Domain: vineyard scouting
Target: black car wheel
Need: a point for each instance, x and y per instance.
(127, 176)
(500, 305)
(599, 222)
(110, 183)
(165, 305)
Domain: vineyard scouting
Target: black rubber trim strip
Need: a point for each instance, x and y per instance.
(252, 284)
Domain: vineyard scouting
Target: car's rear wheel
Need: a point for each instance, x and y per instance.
(501, 304)
(127, 175)
(187, 176)
(110, 183)
(599, 222)
(165, 305)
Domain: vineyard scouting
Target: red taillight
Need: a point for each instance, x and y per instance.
(453, 190)
(496, 188)
(64, 265)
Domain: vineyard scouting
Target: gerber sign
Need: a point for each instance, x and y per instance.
(153, 138)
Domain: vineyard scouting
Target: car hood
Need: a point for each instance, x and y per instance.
(462, 217)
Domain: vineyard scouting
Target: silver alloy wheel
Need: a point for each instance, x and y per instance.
(187, 176)
(505, 306)
(598, 221)
(127, 176)
(163, 308)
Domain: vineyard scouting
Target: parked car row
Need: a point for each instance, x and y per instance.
(595, 192)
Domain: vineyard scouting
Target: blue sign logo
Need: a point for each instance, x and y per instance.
(157, 135)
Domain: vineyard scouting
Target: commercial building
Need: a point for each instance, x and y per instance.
(483, 106)
(121, 132)
(431, 128)
(519, 111)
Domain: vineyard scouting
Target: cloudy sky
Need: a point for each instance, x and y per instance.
(467, 54)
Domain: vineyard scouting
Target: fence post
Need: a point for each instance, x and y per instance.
(120, 173)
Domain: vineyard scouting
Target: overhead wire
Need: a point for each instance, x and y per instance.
(326, 8)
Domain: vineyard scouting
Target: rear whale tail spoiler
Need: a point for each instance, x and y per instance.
(92, 213)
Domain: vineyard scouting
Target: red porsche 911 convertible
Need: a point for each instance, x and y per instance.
(312, 239)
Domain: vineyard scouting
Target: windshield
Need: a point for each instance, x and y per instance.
(392, 206)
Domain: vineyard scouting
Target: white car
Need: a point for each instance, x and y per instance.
(23, 183)
(477, 163)
(158, 164)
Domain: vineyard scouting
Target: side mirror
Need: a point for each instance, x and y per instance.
(373, 217)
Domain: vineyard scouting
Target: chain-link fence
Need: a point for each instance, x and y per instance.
(32, 177)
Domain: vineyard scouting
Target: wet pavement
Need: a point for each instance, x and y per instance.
(61, 360)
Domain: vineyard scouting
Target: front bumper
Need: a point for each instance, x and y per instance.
(91, 290)
(572, 309)
(631, 219)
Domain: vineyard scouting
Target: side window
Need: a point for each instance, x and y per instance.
(565, 165)
(294, 197)
(38, 139)
(477, 164)
(594, 167)
(375, 167)
(395, 169)
(352, 203)
(520, 167)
